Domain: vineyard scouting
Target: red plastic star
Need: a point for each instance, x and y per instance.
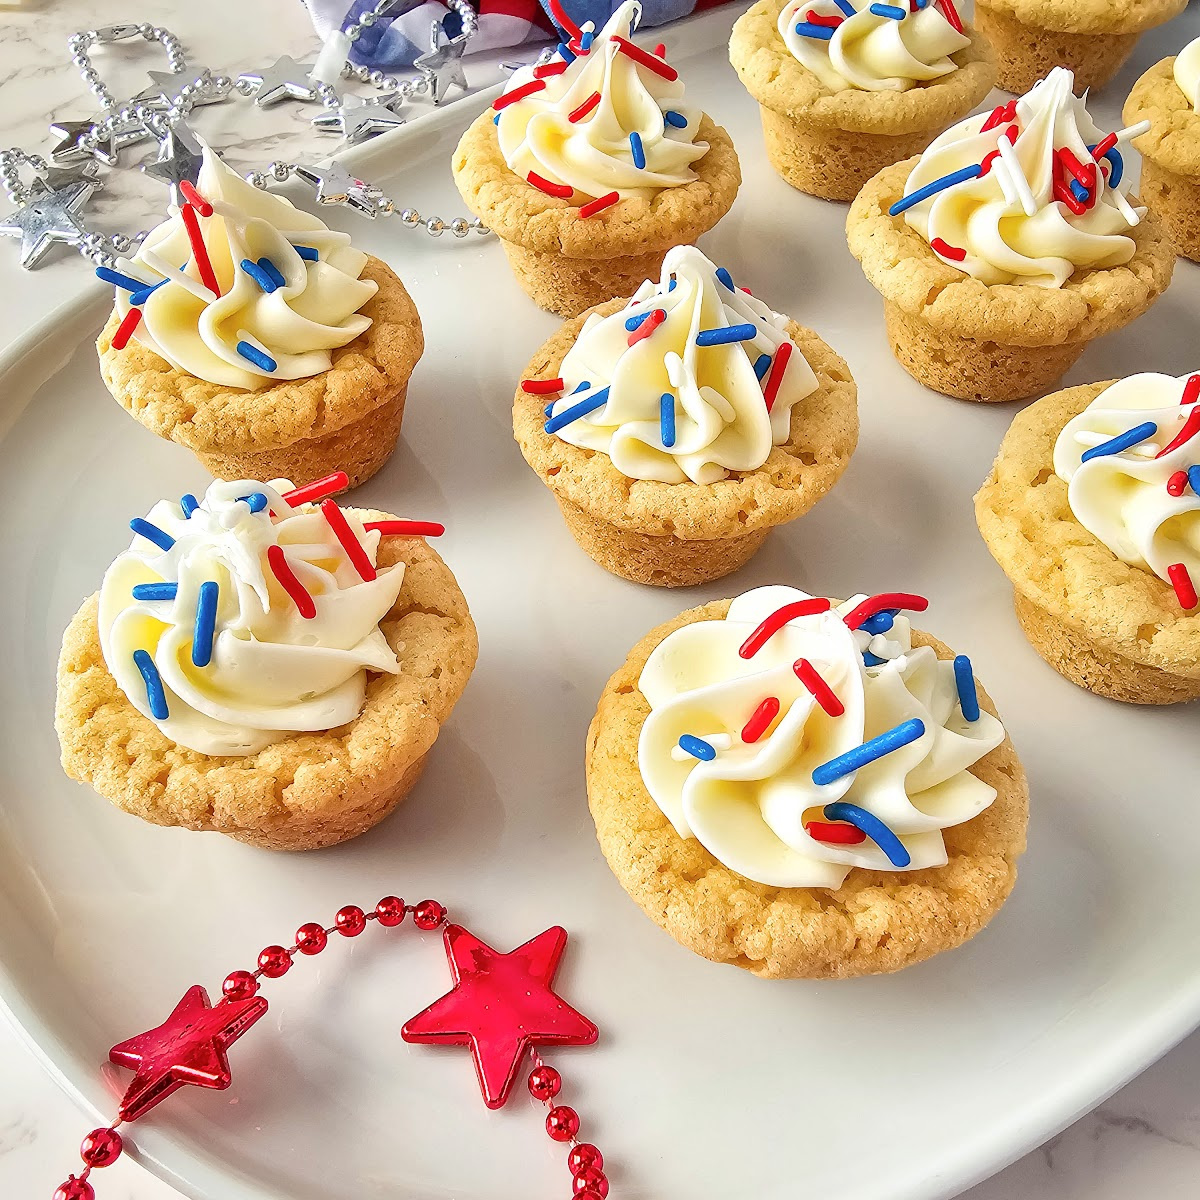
(500, 1006)
(188, 1047)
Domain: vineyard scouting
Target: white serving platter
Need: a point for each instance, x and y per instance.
(707, 1083)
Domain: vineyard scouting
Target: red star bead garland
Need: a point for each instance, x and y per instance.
(502, 1006)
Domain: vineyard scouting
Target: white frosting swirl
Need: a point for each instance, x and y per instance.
(750, 804)
(272, 671)
(594, 155)
(870, 52)
(297, 324)
(1008, 221)
(1187, 72)
(1123, 499)
(721, 422)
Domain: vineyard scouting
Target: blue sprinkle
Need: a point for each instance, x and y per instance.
(256, 500)
(697, 747)
(675, 119)
(1194, 479)
(873, 827)
(206, 624)
(311, 253)
(189, 504)
(140, 297)
(722, 337)
(585, 42)
(564, 418)
(889, 10)
(725, 277)
(496, 119)
(666, 405)
(564, 52)
(938, 185)
(154, 689)
(256, 356)
(762, 364)
(881, 622)
(152, 533)
(846, 7)
(633, 322)
(272, 271)
(1122, 442)
(671, 285)
(821, 33)
(964, 680)
(877, 747)
(872, 660)
(1078, 191)
(118, 280)
(635, 148)
(1116, 162)
(259, 276)
(155, 591)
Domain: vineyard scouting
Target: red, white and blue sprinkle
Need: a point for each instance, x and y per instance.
(666, 404)
(870, 751)
(581, 409)
(697, 747)
(205, 628)
(1122, 442)
(155, 696)
(964, 681)
(145, 529)
(155, 591)
(873, 827)
(726, 334)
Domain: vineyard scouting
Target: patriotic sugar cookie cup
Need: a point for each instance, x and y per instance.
(826, 135)
(1092, 510)
(742, 805)
(1092, 38)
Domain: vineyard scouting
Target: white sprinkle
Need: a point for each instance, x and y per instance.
(175, 275)
(1024, 192)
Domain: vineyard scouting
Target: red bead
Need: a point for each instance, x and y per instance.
(275, 961)
(390, 911)
(101, 1148)
(583, 1156)
(562, 1123)
(75, 1189)
(311, 938)
(544, 1083)
(588, 1194)
(350, 921)
(239, 985)
(429, 914)
(591, 1180)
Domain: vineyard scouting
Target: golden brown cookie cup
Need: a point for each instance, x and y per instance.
(310, 790)
(997, 342)
(1091, 37)
(1111, 628)
(345, 419)
(829, 144)
(567, 263)
(679, 534)
(1170, 153)
(875, 922)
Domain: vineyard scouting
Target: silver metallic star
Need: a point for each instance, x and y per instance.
(442, 65)
(166, 88)
(63, 177)
(179, 157)
(285, 79)
(67, 149)
(357, 119)
(48, 216)
(335, 186)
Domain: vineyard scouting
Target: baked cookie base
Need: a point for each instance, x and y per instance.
(1026, 54)
(1175, 201)
(1094, 667)
(876, 922)
(833, 164)
(989, 372)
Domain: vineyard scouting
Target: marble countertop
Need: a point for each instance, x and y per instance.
(1144, 1141)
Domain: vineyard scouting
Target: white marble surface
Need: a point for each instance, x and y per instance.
(1144, 1141)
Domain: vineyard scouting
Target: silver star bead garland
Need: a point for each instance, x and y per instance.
(357, 119)
(284, 79)
(442, 65)
(49, 215)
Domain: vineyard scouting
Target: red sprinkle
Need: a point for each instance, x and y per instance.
(778, 619)
(1185, 589)
(875, 604)
(1085, 175)
(407, 528)
(648, 326)
(208, 276)
(650, 61)
(998, 116)
(943, 247)
(129, 322)
(194, 198)
(829, 22)
(1191, 390)
(660, 51)
(764, 714)
(564, 21)
(592, 207)
(281, 569)
(563, 191)
(542, 387)
(1107, 143)
(526, 89)
(549, 70)
(952, 15)
(988, 159)
(327, 485)
(577, 115)
(1177, 484)
(1012, 133)
(839, 834)
(1064, 193)
(822, 693)
(1191, 427)
(775, 375)
(344, 534)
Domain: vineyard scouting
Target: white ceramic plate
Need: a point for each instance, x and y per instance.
(707, 1083)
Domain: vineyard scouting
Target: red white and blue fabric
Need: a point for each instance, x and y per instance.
(398, 39)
